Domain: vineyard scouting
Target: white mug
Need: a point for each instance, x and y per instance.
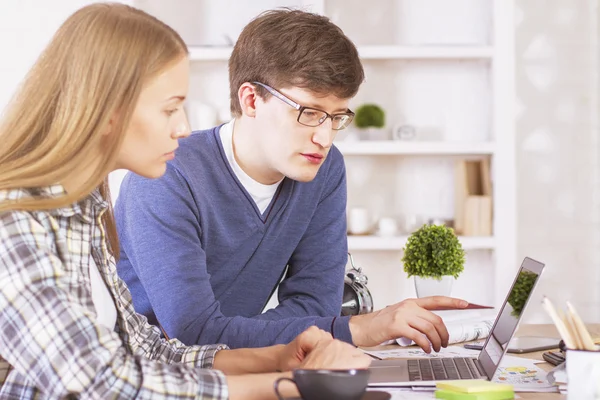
(359, 221)
(387, 227)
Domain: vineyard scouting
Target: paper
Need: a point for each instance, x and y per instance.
(558, 375)
(416, 352)
(524, 378)
(408, 394)
(462, 325)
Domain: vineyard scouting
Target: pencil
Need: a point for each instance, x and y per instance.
(560, 326)
(579, 326)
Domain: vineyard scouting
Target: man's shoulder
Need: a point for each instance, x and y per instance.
(333, 168)
(336, 156)
(197, 145)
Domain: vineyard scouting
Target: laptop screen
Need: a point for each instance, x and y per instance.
(509, 316)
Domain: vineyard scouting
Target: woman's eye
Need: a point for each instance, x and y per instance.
(171, 112)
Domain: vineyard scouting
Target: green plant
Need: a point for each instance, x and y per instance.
(520, 292)
(433, 251)
(369, 115)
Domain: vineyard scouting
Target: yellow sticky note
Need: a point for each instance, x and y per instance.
(448, 395)
(473, 386)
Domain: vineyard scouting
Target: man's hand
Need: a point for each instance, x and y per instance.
(410, 318)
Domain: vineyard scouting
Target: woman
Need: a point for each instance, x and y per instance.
(107, 93)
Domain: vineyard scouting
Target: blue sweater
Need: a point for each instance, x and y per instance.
(199, 257)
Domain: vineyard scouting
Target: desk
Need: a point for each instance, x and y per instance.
(546, 330)
(538, 330)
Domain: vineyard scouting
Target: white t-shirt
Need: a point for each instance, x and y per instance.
(106, 313)
(261, 194)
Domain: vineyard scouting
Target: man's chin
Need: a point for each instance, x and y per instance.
(303, 176)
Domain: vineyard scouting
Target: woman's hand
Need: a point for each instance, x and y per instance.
(335, 354)
(316, 349)
(293, 354)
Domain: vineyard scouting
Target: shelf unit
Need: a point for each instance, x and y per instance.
(396, 243)
(387, 147)
(404, 75)
(207, 53)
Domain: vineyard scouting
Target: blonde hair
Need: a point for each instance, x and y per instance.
(92, 70)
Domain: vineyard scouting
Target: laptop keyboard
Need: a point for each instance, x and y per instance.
(436, 369)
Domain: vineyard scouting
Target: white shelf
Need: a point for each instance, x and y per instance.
(396, 243)
(393, 147)
(425, 52)
(200, 53)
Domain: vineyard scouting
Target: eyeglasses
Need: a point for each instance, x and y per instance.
(312, 116)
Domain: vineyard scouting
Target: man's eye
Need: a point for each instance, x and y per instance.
(171, 112)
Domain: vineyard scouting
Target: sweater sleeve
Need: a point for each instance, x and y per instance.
(160, 232)
(315, 282)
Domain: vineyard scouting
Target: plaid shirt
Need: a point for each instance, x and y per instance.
(50, 343)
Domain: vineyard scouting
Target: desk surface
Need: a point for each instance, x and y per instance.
(546, 330)
(550, 331)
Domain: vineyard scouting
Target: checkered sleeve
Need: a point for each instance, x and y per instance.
(49, 336)
(147, 340)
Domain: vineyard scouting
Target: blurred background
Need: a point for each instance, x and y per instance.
(487, 122)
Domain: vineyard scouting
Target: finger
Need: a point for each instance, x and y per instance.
(325, 335)
(441, 303)
(417, 337)
(362, 361)
(310, 338)
(438, 324)
(427, 328)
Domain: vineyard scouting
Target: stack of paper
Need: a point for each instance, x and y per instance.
(463, 325)
(558, 377)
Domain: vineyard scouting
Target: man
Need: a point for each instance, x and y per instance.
(267, 190)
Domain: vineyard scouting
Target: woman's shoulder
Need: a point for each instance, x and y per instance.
(21, 223)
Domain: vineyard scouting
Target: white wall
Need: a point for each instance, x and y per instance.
(26, 26)
(558, 149)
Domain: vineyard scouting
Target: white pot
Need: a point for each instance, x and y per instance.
(426, 286)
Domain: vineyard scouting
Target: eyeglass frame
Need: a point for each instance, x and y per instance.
(301, 108)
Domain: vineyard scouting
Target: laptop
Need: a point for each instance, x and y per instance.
(427, 371)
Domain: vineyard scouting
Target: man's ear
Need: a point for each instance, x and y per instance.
(248, 97)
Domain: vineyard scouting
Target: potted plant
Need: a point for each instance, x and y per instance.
(371, 118)
(435, 257)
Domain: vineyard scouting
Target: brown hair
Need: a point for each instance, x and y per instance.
(286, 47)
(94, 67)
